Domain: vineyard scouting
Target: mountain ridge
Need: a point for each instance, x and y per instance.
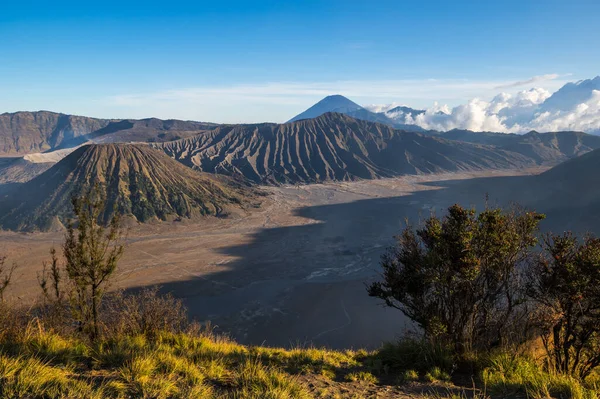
(332, 146)
(543, 148)
(27, 132)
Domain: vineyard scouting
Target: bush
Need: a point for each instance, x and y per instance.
(458, 277)
(146, 313)
(12, 323)
(565, 284)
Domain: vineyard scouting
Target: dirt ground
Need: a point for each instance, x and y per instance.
(291, 272)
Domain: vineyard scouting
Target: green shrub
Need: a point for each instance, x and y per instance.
(457, 277)
(564, 283)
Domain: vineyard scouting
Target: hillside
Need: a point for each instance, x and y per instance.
(20, 170)
(148, 130)
(139, 182)
(30, 132)
(43, 363)
(573, 184)
(552, 147)
(26, 132)
(331, 147)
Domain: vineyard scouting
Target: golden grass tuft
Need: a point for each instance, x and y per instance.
(513, 375)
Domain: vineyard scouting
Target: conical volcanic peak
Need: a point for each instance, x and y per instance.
(138, 181)
(335, 103)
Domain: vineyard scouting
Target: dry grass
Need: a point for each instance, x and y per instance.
(510, 375)
(168, 365)
(42, 363)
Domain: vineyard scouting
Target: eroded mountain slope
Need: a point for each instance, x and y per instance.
(138, 181)
(331, 147)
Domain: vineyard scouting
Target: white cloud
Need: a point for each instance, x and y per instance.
(517, 113)
(464, 104)
(279, 101)
(475, 115)
(585, 117)
(530, 81)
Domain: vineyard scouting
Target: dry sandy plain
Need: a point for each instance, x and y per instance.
(291, 272)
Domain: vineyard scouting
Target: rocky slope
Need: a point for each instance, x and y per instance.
(138, 181)
(30, 132)
(331, 147)
(543, 148)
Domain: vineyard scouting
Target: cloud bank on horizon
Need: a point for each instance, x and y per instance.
(498, 106)
(575, 106)
(278, 101)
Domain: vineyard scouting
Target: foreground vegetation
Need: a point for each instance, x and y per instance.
(40, 363)
(495, 321)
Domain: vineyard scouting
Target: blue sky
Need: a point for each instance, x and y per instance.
(249, 61)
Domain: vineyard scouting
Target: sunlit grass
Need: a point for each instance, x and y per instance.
(170, 365)
(512, 375)
(179, 365)
(22, 377)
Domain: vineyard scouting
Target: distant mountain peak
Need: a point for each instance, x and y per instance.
(332, 103)
(339, 104)
(336, 97)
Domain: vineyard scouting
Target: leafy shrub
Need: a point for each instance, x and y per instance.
(457, 277)
(565, 285)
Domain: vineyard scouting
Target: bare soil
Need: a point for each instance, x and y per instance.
(291, 272)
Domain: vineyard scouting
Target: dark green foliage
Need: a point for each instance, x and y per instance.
(565, 284)
(458, 277)
(91, 254)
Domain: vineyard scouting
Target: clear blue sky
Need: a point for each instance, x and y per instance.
(232, 61)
